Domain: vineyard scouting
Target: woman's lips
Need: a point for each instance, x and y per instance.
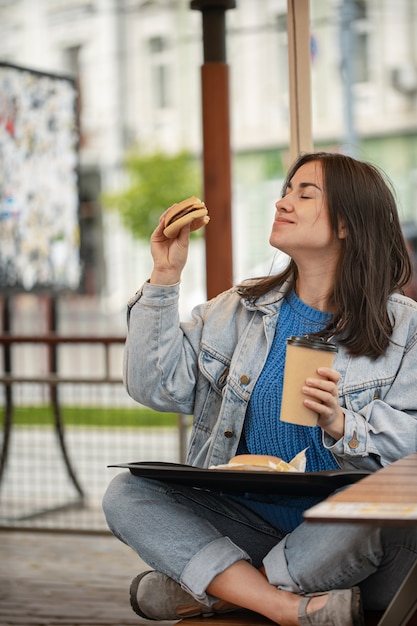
(280, 220)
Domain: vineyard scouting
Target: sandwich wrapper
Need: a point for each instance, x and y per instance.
(297, 464)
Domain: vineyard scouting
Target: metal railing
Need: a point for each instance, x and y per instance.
(57, 385)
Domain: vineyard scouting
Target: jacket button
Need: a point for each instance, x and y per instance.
(353, 443)
(228, 434)
(244, 379)
(223, 378)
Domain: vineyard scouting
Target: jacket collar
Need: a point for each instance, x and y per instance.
(270, 303)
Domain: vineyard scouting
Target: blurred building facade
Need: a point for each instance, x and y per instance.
(137, 66)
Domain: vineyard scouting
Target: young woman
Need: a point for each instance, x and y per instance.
(210, 552)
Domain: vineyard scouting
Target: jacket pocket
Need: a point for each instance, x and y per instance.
(215, 369)
(356, 399)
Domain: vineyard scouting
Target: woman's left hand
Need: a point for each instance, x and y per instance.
(323, 398)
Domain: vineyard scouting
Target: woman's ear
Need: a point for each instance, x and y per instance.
(342, 231)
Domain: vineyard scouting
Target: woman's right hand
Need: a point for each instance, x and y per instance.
(169, 255)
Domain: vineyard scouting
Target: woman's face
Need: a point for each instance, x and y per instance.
(302, 226)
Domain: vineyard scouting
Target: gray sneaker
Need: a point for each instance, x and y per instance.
(343, 608)
(154, 595)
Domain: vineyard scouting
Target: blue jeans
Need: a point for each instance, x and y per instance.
(193, 535)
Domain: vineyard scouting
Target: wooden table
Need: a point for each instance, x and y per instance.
(388, 497)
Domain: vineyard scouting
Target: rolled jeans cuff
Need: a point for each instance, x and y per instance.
(210, 561)
(276, 568)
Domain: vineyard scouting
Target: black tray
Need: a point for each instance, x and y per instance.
(241, 481)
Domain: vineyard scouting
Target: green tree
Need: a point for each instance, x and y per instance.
(156, 181)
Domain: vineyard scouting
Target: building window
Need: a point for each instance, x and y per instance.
(360, 40)
(71, 58)
(160, 69)
(282, 35)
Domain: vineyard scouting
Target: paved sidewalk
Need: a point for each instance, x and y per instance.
(54, 579)
(59, 579)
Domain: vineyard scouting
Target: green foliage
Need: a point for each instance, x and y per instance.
(94, 416)
(157, 181)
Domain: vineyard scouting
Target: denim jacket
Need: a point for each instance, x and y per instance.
(208, 367)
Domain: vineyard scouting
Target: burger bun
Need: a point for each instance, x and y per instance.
(257, 462)
(263, 461)
(189, 211)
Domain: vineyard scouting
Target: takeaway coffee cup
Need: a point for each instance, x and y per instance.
(304, 355)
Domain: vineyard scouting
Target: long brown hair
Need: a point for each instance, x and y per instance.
(374, 261)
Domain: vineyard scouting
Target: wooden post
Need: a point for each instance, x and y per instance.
(299, 60)
(216, 145)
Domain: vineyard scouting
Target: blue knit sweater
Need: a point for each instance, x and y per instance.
(263, 431)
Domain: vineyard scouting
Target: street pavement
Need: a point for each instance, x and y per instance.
(56, 579)
(72, 579)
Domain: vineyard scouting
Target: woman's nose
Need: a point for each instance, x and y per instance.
(283, 204)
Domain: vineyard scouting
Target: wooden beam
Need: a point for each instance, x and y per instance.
(216, 145)
(299, 61)
(217, 177)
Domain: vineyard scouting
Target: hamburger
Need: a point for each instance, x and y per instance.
(258, 462)
(191, 210)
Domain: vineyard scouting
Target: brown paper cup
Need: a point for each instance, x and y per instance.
(304, 355)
